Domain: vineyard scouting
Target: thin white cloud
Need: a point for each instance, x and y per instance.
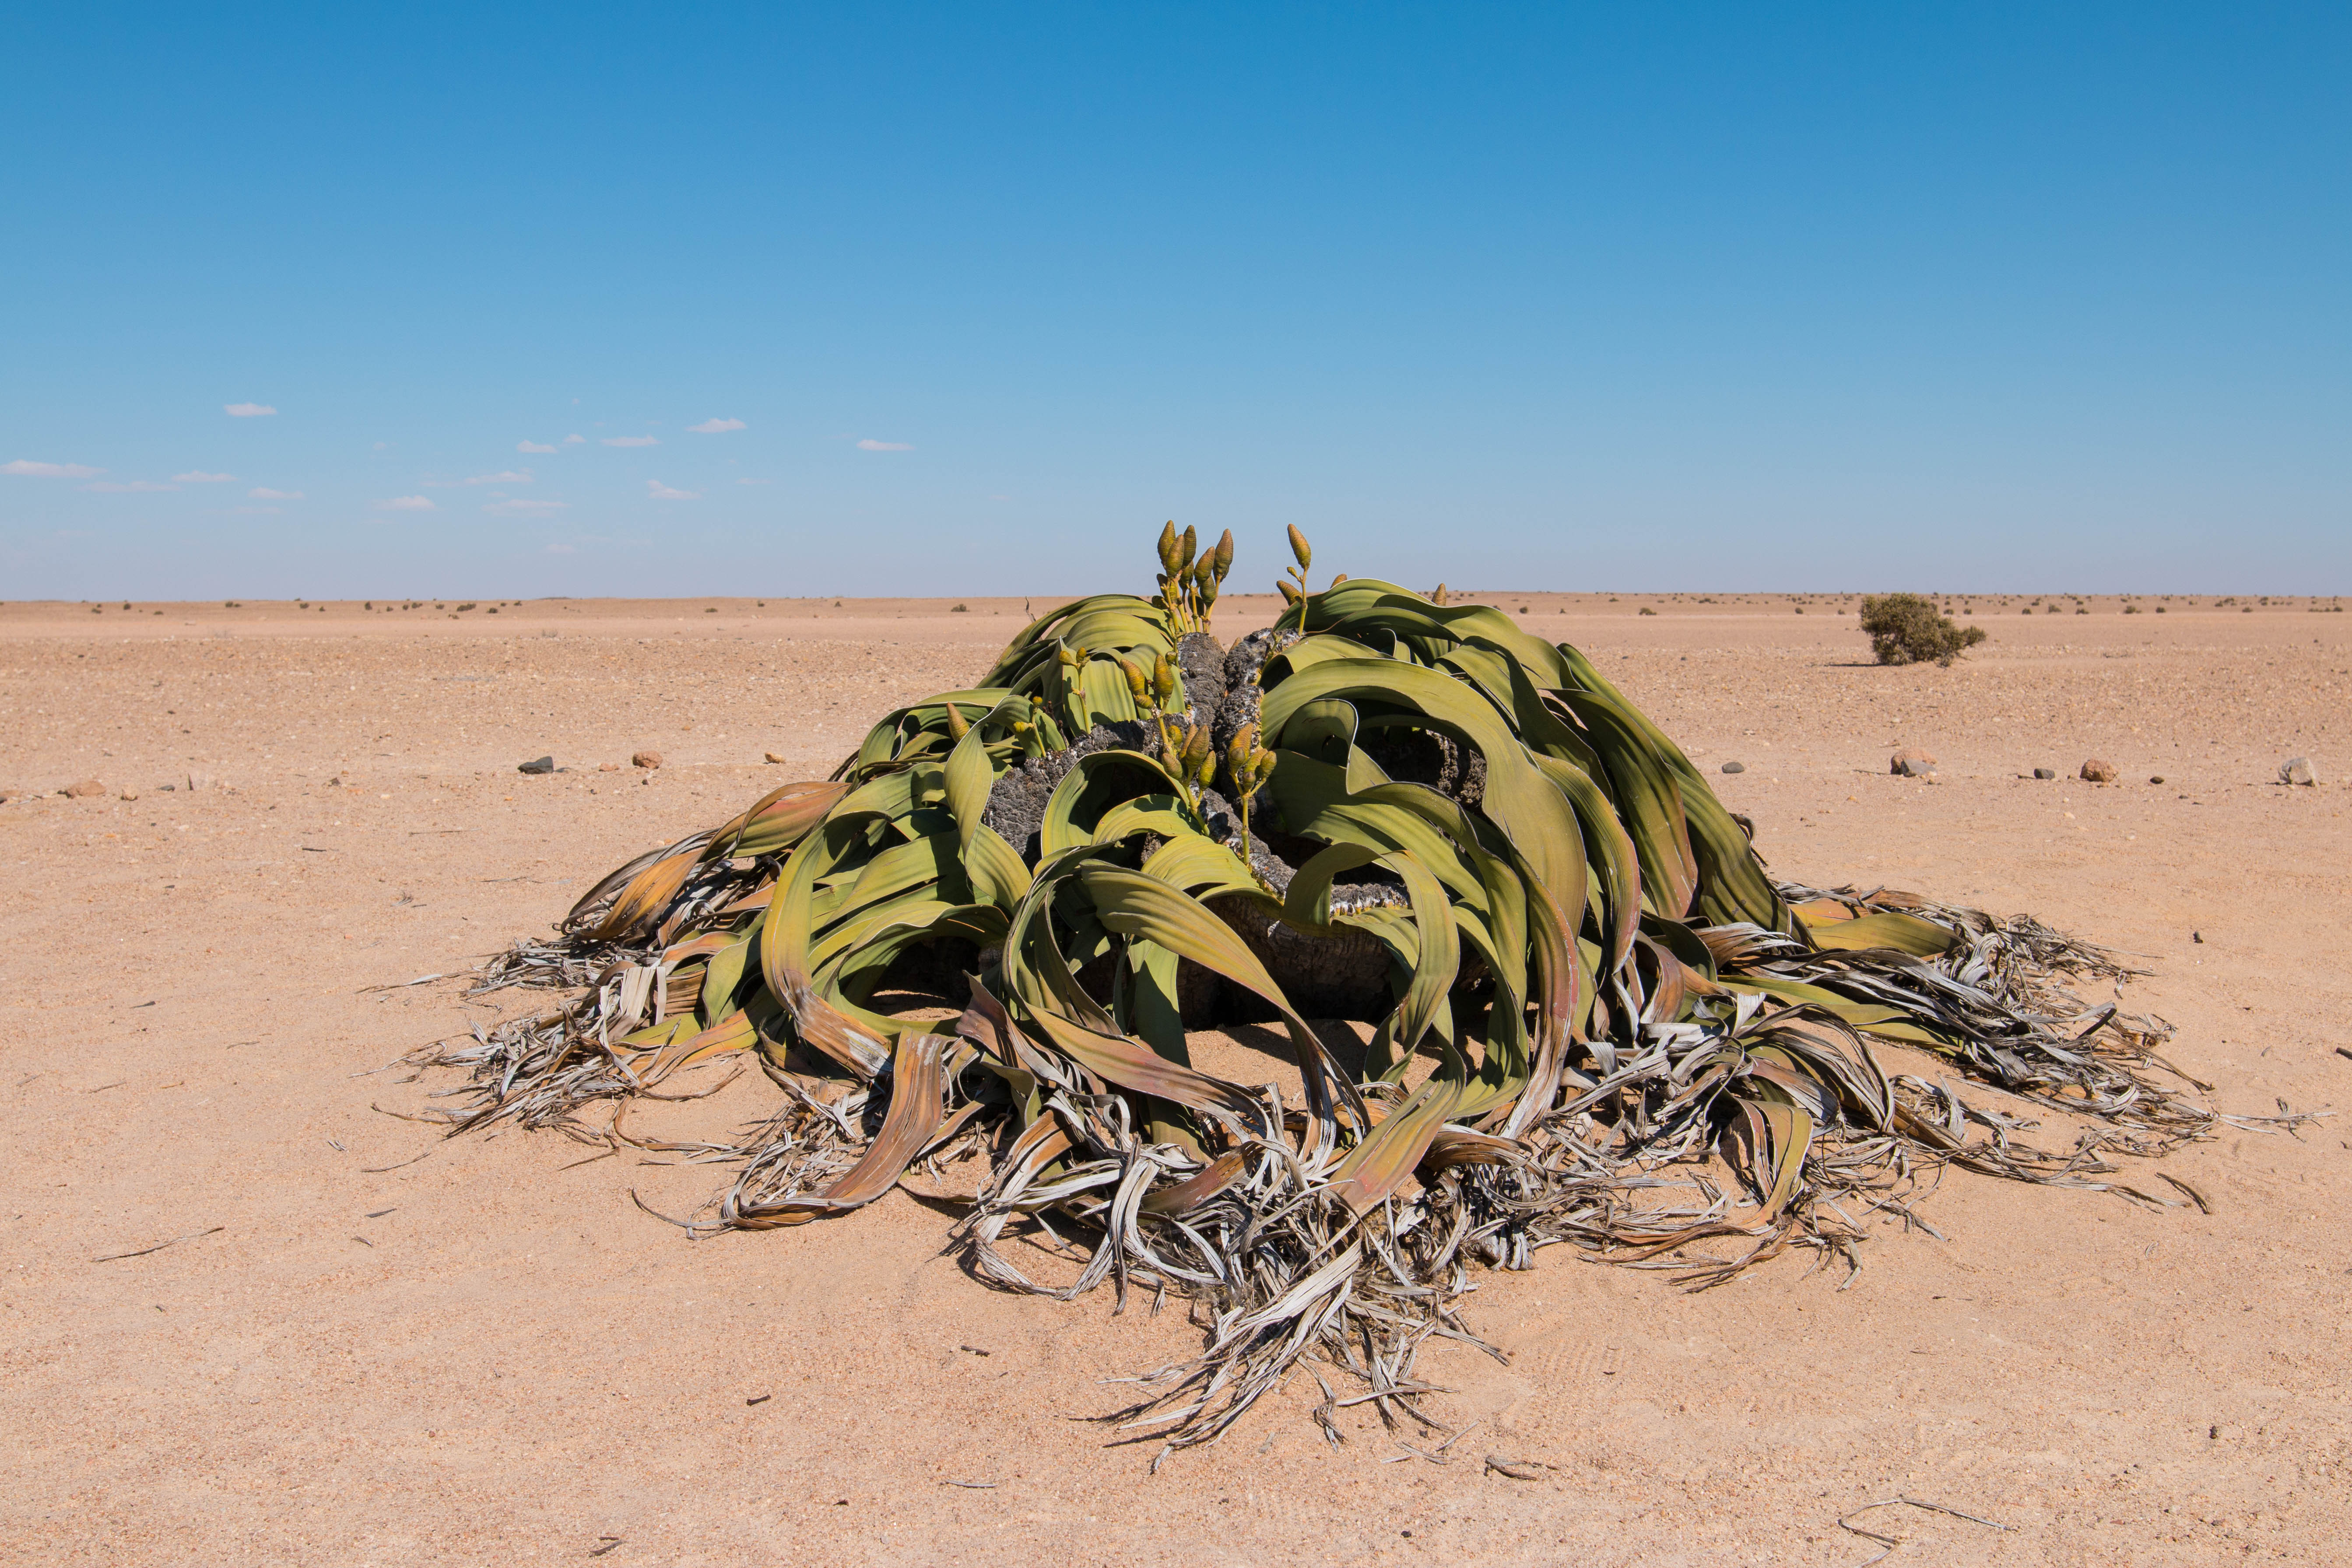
(575, 440)
(660, 491)
(632, 441)
(33, 470)
(716, 426)
(524, 508)
(264, 493)
(512, 477)
(136, 487)
(407, 503)
(559, 549)
(246, 410)
(533, 447)
(198, 477)
(872, 446)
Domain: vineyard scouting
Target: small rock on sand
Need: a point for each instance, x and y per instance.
(84, 789)
(775, 757)
(2097, 772)
(1734, 767)
(608, 767)
(644, 758)
(1911, 764)
(2156, 778)
(2298, 771)
(2045, 772)
(130, 795)
(537, 765)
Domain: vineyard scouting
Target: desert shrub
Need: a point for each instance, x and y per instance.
(1904, 628)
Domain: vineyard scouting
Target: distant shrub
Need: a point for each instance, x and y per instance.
(1904, 628)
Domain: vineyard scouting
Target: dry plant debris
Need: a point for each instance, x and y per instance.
(987, 933)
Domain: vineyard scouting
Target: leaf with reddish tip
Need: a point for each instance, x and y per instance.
(918, 1105)
(1378, 1166)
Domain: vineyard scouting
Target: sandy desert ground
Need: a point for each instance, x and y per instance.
(367, 1346)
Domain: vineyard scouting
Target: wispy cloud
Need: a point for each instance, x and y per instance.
(407, 503)
(660, 491)
(264, 493)
(135, 487)
(575, 440)
(716, 426)
(873, 446)
(632, 440)
(198, 477)
(33, 470)
(510, 476)
(246, 410)
(523, 508)
(559, 549)
(533, 447)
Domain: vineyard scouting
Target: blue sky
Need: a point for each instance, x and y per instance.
(970, 299)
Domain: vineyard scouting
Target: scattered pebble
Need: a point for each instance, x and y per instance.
(1911, 764)
(84, 789)
(1734, 767)
(644, 758)
(2156, 778)
(775, 757)
(2045, 772)
(608, 767)
(2294, 771)
(2097, 772)
(539, 765)
(130, 795)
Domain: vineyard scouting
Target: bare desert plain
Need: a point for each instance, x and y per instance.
(245, 1316)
